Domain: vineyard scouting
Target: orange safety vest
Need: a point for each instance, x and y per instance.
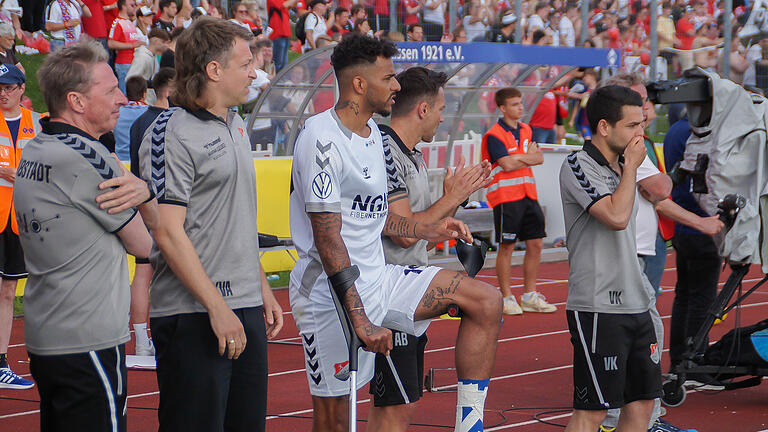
(10, 156)
(514, 185)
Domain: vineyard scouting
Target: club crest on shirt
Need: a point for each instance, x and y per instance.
(655, 354)
(321, 185)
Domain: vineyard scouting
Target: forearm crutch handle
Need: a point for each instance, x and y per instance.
(339, 283)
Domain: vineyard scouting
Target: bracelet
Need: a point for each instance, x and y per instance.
(357, 308)
(151, 193)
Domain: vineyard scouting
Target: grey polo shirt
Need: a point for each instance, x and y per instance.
(412, 172)
(604, 274)
(203, 162)
(77, 297)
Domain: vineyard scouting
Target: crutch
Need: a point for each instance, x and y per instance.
(339, 283)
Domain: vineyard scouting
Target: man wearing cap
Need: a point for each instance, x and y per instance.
(505, 30)
(18, 126)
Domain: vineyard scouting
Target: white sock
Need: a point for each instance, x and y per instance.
(141, 334)
(470, 405)
(528, 296)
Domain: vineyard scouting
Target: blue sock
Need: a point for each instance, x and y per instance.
(470, 405)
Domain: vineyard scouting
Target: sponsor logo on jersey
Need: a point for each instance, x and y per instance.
(365, 173)
(369, 207)
(655, 354)
(321, 185)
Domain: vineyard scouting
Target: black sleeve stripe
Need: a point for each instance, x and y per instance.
(172, 202)
(135, 212)
(594, 201)
(158, 152)
(86, 151)
(394, 181)
(573, 162)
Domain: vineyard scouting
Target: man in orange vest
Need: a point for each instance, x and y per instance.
(17, 127)
(512, 194)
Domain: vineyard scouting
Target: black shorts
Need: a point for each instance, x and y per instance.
(201, 390)
(615, 359)
(518, 220)
(11, 255)
(397, 380)
(83, 391)
(558, 117)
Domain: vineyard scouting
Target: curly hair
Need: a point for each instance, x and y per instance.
(207, 39)
(357, 49)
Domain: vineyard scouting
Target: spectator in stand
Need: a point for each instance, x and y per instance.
(8, 46)
(566, 28)
(738, 60)
(410, 10)
(136, 92)
(95, 26)
(10, 12)
(268, 55)
(542, 121)
(167, 58)
(415, 33)
(380, 17)
(665, 28)
(700, 15)
(143, 23)
(433, 19)
(706, 37)
(62, 20)
(168, 10)
(145, 62)
(280, 23)
(357, 12)
(262, 131)
(540, 17)
(315, 25)
(363, 27)
(124, 38)
(504, 31)
(686, 33)
(477, 21)
(754, 54)
(341, 23)
(110, 13)
(240, 16)
(459, 35)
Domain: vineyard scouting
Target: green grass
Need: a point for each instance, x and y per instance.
(280, 281)
(18, 306)
(31, 64)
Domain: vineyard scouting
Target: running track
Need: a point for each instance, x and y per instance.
(532, 374)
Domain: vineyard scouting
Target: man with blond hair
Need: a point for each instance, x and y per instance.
(210, 297)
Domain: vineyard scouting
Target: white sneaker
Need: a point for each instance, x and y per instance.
(146, 350)
(511, 307)
(537, 304)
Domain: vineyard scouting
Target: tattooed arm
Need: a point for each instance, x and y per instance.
(445, 229)
(326, 230)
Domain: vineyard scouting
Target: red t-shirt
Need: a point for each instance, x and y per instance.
(685, 26)
(95, 26)
(546, 111)
(109, 15)
(380, 7)
(124, 31)
(278, 19)
(410, 19)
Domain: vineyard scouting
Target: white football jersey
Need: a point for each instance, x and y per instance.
(335, 170)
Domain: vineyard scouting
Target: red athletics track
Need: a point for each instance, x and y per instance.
(533, 369)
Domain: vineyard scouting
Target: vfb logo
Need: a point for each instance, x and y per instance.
(321, 185)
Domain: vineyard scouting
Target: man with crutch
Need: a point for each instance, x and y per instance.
(339, 211)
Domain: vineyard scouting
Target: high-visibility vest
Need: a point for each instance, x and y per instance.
(514, 185)
(10, 156)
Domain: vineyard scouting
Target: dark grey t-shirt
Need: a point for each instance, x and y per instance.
(77, 297)
(411, 172)
(604, 274)
(204, 163)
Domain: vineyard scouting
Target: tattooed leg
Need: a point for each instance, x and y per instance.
(480, 304)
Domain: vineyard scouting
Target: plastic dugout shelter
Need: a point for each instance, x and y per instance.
(476, 70)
